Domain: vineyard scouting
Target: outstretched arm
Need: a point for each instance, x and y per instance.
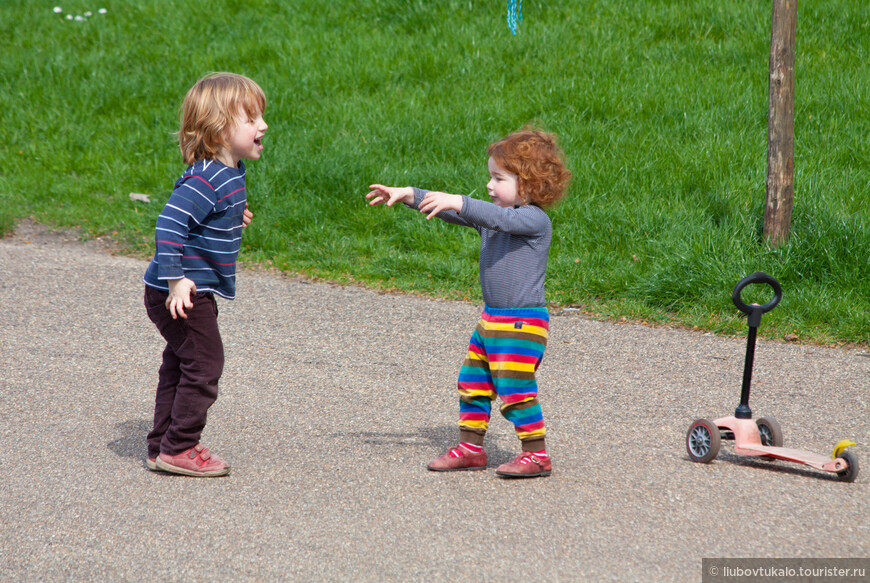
(528, 220)
(445, 206)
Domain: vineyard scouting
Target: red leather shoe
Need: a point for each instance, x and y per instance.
(197, 461)
(526, 465)
(458, 459)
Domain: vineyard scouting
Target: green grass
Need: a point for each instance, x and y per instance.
(660, 106)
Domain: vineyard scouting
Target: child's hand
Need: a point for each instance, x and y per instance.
(179, 297)
(390, 195)
(246, 217)
(436, 202)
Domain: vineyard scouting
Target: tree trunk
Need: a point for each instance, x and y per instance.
(780, 124)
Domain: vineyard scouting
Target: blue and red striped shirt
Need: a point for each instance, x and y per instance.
(199, 231)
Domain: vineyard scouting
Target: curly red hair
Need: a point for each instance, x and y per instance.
(535, 157)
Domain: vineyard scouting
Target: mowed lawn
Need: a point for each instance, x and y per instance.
(660, 106)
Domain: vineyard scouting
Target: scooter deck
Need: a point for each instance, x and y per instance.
(747, 441)
(815, 460)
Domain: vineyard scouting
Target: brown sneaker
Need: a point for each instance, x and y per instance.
(458, 459)
(526, 465)
(196, 461)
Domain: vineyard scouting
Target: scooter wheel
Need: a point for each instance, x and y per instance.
(851, 472)
(702, 441)
(771, 432)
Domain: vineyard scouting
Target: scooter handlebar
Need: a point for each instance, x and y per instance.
(755, 311)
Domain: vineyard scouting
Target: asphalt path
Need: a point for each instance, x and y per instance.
(333, 400)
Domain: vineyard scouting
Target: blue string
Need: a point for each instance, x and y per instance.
(514, 14)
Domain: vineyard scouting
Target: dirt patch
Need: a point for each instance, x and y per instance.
(30, 233)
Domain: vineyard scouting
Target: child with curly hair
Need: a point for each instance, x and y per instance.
(527, 175)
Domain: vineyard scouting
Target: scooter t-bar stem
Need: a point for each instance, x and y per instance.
(754, 312)
(743, 411)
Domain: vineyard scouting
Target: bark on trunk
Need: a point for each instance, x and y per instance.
(780, 124)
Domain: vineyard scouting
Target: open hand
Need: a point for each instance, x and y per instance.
(389, 194)
(435, 202)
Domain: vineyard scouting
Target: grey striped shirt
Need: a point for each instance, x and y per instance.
(514, 244)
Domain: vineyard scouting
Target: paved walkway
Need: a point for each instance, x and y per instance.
(332, 401)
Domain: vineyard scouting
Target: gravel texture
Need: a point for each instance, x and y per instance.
(334, 398)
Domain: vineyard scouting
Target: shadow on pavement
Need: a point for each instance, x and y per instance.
(438, 438)
(132, 441)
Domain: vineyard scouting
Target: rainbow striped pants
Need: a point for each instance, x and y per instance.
(505, 350)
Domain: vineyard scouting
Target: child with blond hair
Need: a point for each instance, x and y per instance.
(198, 238)
(527, 176)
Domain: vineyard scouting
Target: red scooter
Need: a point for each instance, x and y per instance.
(761, 438)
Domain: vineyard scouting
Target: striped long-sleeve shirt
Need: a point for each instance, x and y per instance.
(199, 231)
(514, 245)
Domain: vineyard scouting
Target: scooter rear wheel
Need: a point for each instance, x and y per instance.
(702, 441)
(851, 472)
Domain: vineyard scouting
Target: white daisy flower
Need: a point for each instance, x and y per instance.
(58, 9)
(102, 10)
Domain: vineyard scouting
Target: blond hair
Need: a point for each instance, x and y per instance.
(535, 157)
(210, 110)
